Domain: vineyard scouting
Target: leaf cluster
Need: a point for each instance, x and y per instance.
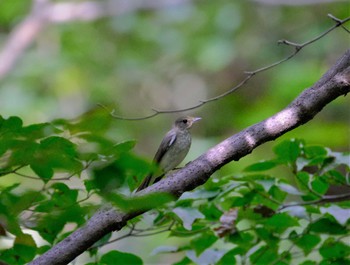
(52, 177)
(276, 211)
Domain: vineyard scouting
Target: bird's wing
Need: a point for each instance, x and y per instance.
(168, 140)
(166, 143)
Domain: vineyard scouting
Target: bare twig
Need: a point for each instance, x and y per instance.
(324, 199)
(250, 74)
(4, 173)
(15, 171)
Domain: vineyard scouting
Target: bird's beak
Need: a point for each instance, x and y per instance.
(195, 119)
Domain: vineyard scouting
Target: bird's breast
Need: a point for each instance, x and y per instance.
(177, 151)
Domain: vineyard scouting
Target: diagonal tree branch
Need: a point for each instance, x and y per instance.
(334, 83)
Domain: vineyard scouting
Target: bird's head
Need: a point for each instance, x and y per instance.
(186, 122)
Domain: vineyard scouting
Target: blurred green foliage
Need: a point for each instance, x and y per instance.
(275, 211)
(61, 156)
(173, 57)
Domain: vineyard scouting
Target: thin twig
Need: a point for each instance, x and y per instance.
(297, 49)
(14, 171)
(324, 199)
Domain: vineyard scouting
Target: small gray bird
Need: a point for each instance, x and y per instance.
(172, 150)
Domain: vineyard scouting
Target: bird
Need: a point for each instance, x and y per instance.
(172, 150)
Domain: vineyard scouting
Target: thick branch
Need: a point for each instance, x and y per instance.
(334, 83)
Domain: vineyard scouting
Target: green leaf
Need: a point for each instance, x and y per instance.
(307, 242)
(303, 180)
(327, 226)
(230, 257)
(96, 121)
(89, 185)
(24, 201)
(280, 222)
(336, 176)
(332, 249)
(123, 147)
(116, 257)
(99, 148)
(211, 211)
(21, 152)
(319, 185)
(62, 196)
(267, 236)
(120, 170)
(264, 255)
(244, 240)
(239, 200)
(184, 261)
(44, 171)
(8, 256)
(277, 193)
(50, 225)
(188, 216)
(133, 165)
(261, 166)
(25, 247)
(11, 125)
(59, 144)
(38, 131)
(203, 242)
(315, 151)
(288, 151)
(108, 177)
(41, 250)
(55, 153)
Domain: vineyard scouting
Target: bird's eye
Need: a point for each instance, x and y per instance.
(184, 121)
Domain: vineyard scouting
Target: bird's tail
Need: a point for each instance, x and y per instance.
(148, 181)
(145, 183)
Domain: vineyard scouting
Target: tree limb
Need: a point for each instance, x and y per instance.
(334, 83)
